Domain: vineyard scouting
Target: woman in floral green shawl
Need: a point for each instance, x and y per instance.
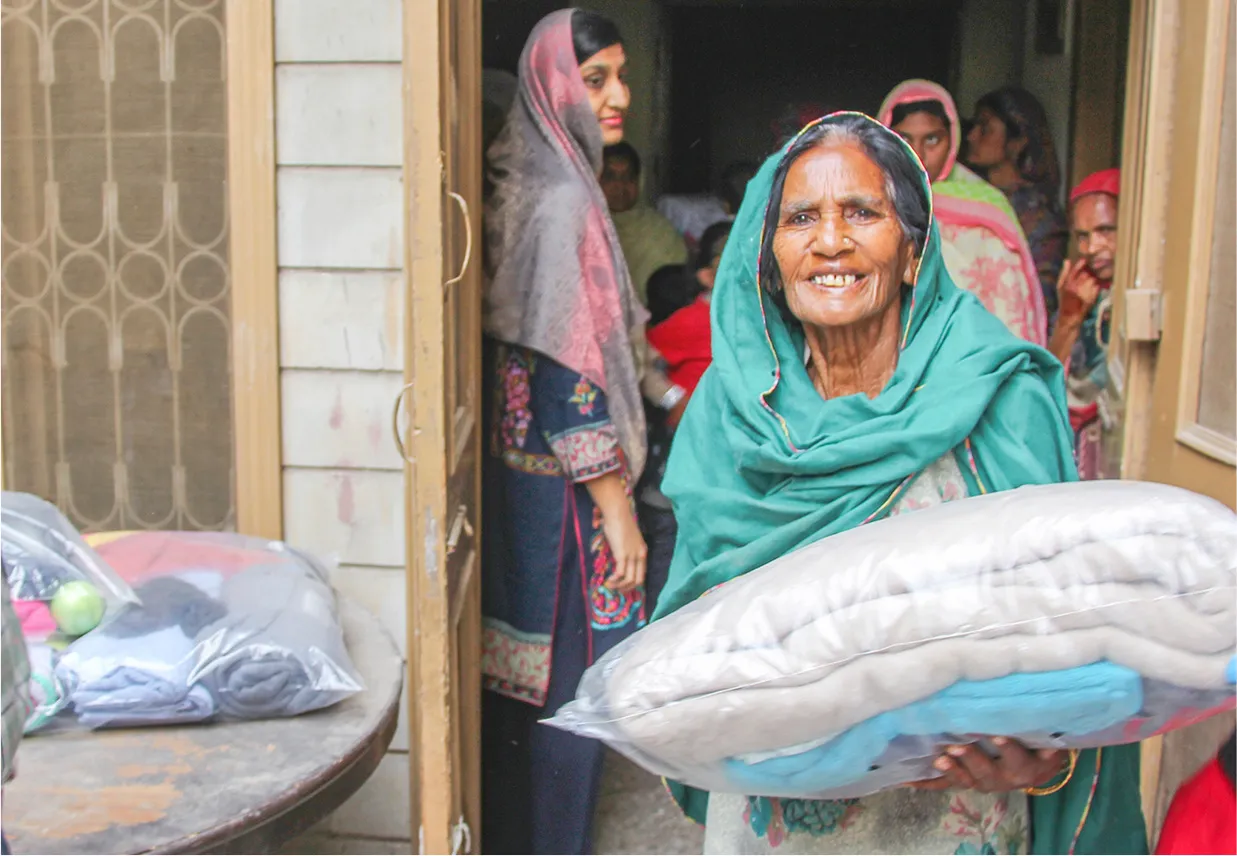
(779, 449)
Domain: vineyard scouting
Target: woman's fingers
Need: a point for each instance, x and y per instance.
(618, 576)
(1018, 763)
(628, 573)
(978, 765)
(952, 772)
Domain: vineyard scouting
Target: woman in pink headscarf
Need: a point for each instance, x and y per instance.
(563, 559)
(984, 248)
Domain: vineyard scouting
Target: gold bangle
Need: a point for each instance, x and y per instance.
(1052, 789)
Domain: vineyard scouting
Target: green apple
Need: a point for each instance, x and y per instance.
(77, 607)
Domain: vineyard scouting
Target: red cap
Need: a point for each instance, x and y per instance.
(1105, 181)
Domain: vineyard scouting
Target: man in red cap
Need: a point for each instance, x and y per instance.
(1077, 339)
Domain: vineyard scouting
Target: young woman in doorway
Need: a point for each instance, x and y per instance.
(1011, 145)
(984, 249)
(564, 560)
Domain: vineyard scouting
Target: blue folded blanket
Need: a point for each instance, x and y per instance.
(1099, 704)
(1071, 702)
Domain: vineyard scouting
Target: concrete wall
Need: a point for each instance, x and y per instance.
(992, 34)
(338, 138)
(1050, 79)
(998, 48)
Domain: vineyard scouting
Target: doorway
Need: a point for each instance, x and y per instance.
(740, 75)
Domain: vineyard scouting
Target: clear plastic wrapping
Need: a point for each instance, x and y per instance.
(43, 554)
(1077, 615)
(228, 627)
(60, 588)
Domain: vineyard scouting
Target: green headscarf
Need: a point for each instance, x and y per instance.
(761, 465)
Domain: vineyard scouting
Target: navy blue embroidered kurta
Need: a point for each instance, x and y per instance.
(549, 433)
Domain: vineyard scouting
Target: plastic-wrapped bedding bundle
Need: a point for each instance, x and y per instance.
(1076, 615)
(229, 626)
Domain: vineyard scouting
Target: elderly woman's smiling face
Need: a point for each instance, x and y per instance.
(839, 246)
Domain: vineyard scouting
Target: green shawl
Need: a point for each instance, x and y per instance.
(761, 465)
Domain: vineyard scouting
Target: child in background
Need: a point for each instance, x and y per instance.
(683, 341)
(671, 287)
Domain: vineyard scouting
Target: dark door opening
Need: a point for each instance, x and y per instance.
(741, 73)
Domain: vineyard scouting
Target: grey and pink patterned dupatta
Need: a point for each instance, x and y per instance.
(558, 283)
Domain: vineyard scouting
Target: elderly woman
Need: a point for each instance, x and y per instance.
(852, 380)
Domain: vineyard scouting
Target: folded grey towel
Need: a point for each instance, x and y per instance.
(279, 650)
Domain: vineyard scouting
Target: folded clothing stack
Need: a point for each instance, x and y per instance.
(227, 626)
(1075, 615)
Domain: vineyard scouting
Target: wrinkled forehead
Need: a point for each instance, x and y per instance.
(833, 170)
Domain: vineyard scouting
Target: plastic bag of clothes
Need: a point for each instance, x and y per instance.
(46, 561)
(1076, 615)
(228, 627)
(60, 587)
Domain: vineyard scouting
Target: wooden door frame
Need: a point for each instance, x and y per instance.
(1146, 150)
(1165, 85)
(429, 660)
(1207, 146)
(252, 262)
(434, 710)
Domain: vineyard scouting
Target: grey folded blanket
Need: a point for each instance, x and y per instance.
(870, 620)
(137, 668)
(279, 649)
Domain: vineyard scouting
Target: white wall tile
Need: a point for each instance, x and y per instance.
(339, 419)
(339, 115)
(341, 320)
(382, 807)
(340, 218)
(354, 517)
(383, 592)
(338, 31)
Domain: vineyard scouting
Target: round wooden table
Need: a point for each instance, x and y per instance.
(231, 787)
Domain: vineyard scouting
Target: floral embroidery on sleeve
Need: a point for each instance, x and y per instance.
(584, 397)
(588, 452)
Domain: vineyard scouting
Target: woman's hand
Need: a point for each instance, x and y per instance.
(1014, 769)
(629, 550)
(1077, 291)
(618, 522)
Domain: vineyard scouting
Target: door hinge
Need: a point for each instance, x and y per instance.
(1144, 314)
